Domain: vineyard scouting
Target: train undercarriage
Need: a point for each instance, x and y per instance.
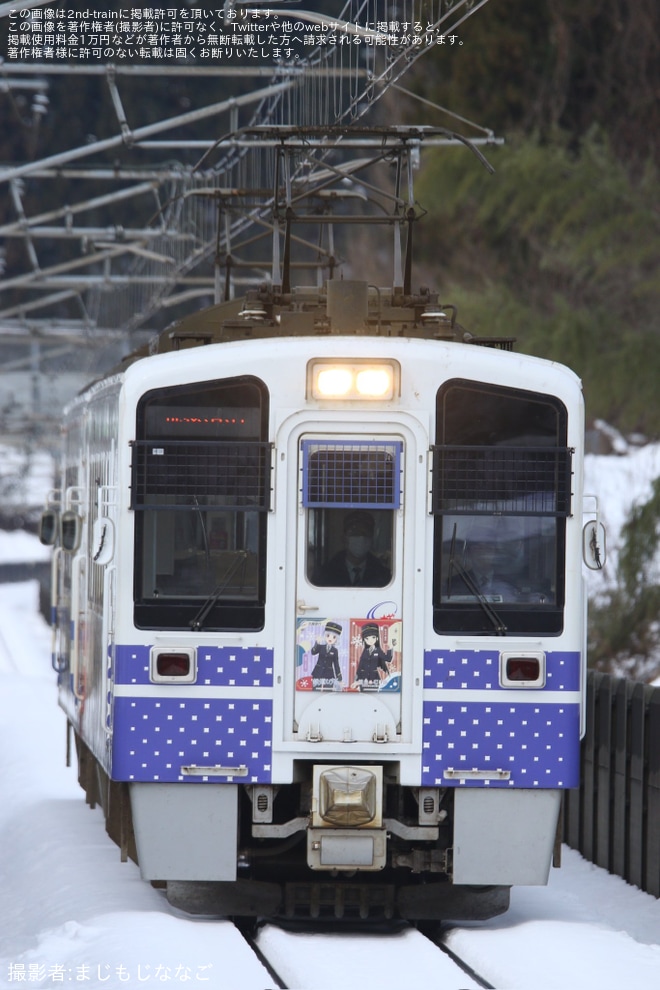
(274, 880)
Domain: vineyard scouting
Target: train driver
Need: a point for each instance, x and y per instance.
(355, 564)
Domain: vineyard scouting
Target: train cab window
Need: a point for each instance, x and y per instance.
(349, 547)
(501, 494)
(200, 492)
(350, 490)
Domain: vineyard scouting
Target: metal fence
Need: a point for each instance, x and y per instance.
(613, 819)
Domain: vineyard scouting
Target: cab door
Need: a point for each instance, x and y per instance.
(349, 561)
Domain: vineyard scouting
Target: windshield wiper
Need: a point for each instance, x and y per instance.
(455, 565)
(202, 523)
(239, 561)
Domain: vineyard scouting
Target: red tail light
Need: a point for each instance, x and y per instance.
(173, 666)
(522, 670)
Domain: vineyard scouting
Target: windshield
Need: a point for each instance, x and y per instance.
(501, 493)
(200, 490)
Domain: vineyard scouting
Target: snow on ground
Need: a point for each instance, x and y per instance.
(71, 912)
(587, 929)
(19, 547)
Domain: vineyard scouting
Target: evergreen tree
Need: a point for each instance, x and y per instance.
(624, 628)
(559, 248)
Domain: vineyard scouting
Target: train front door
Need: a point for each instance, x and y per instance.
(349, 567)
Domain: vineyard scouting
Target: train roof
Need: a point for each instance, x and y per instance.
(344, 307)
(339, 309)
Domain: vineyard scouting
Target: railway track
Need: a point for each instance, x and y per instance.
(320, 957)
(462, 965)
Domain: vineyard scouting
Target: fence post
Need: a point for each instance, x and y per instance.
(621, 787)
(636, 843)
(604, 756)
(590, 768)
(652, 879)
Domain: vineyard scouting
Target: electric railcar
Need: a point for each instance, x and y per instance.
(319, 607)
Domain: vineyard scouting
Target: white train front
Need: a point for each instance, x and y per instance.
(319, 609)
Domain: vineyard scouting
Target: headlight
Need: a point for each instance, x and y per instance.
(348, 796)
(363, 380)
(374, 383)
(333, 383)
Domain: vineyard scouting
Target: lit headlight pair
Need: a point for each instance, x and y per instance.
(363, 380)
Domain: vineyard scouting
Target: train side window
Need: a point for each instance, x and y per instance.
(200, 492)
(501, 495)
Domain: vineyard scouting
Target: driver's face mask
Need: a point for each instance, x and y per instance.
(358, 546)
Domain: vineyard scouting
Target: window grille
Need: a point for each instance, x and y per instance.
(218, 475)
(351, 474)
(504, 480)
